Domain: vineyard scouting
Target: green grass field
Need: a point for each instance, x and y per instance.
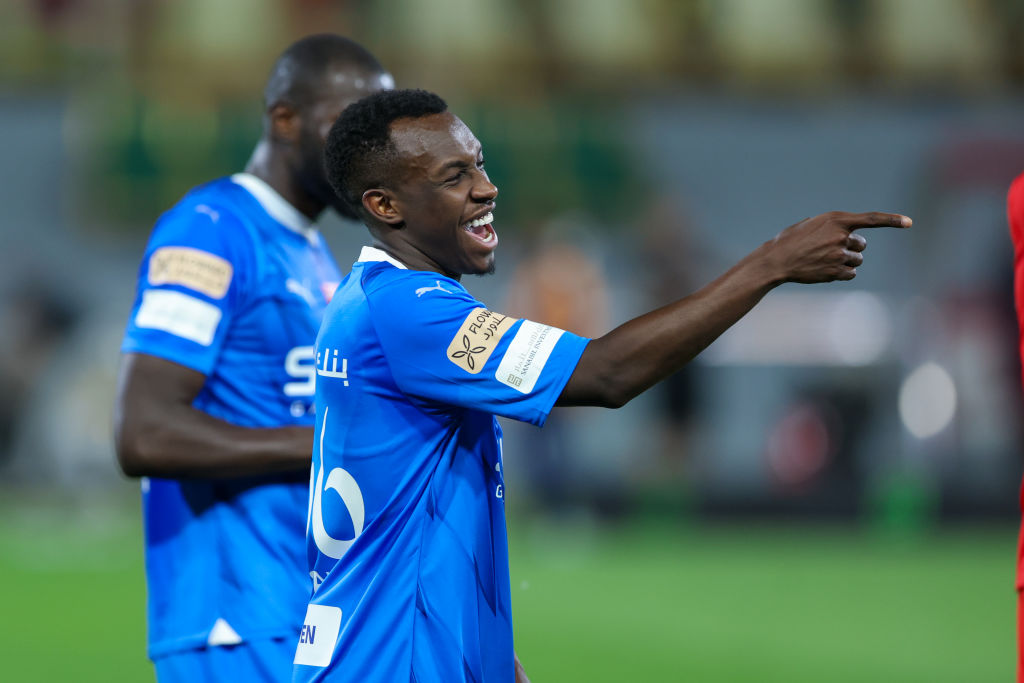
(636, 603)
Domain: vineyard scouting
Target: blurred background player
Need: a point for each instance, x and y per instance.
(215, 394)
(1015, 215)
(407, 533)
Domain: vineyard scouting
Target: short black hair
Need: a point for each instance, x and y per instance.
(297, 75)
(360, 154)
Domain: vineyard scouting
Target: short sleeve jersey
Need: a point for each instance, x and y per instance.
(406, 533)
(233, 284)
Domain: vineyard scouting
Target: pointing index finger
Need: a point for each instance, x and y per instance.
(877, 219)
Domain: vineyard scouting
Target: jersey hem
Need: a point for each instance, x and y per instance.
(132, 346)
(198, 642)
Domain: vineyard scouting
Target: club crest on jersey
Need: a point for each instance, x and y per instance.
(477, 338)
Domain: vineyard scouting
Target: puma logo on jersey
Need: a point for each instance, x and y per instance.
(423, 290)
(203, 208)
(297, 288)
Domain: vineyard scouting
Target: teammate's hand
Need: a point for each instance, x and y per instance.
(825, 248)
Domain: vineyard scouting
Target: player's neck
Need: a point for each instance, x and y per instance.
(271, 169)
(412, 257)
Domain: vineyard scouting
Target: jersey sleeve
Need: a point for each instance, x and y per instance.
(1015, 216)
(442, 345)
(191, 283)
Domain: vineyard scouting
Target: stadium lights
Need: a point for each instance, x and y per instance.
(927, 400)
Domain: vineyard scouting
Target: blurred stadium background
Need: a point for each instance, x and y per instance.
(829, 493)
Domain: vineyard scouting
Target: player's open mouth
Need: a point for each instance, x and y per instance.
(482, 230)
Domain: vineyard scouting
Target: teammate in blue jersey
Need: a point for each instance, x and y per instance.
(406, 524)
(215, 399)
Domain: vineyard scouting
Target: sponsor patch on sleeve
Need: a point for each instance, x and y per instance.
(527, 355)
(318, 636)
(202, 271)
(180, 314)
(476, 340)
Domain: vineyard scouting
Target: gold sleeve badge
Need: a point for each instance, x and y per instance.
(476, 340)
(202, 271)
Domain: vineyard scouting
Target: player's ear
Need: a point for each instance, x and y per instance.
(284, 123)
(380, 205)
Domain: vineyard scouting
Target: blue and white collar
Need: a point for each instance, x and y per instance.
(278, 207)
(375, 254)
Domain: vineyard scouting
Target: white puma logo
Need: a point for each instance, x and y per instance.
(423, 290)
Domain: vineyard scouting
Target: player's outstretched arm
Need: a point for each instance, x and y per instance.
(158, 433)
(635, 356)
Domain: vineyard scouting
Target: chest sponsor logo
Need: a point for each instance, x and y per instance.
(198, 270)
(476, 340)
(527, 355)
(327, 365)
(318, 636)
(299, 366)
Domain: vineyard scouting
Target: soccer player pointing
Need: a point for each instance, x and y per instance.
(406, 537)
(215, 393)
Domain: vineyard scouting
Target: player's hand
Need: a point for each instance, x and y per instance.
(825, 248)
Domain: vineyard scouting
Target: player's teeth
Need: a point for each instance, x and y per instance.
(483, 220)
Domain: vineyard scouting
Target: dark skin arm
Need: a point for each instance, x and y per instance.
(637, 355)
(157, 432)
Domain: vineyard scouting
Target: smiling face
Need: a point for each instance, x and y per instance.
(437, 211)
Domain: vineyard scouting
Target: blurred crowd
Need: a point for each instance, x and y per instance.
(640, 148)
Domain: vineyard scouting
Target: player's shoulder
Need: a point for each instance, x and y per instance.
(209, 216)
(218, 201)
(414, 296)
(380, 278)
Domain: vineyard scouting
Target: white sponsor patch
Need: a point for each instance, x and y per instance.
(192, 268)
(318, 636)
(527, 355)
(179, 314)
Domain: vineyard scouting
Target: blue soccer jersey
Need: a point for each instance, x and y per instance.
(406, 529)
(233, 284)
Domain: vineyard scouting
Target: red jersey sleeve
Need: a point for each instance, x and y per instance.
(1015, 216)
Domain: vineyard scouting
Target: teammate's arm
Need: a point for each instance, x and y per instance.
(158, 433)
(521, 676)
(633, 357)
